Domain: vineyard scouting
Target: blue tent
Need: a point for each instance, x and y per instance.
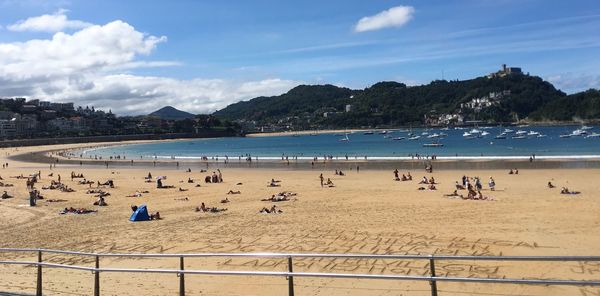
(141, 214)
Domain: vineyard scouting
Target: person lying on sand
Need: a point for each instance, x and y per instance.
(85, 182)
(56, 200)
(109, 183)
(566, 190)
(431, 187)
(273, 210)
(453, 194)
(2, 184)
(181, 199)
(5, 195)
(550, 185)
(160, 185)
(458, 186)
(79, 211)
(204, 209)
(182, 190)
(234, 192)
(226, 200)
(136, 194)
(274, 198)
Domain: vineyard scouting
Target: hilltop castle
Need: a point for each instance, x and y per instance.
(505, 71)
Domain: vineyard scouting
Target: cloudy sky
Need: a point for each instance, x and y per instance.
(136, 56)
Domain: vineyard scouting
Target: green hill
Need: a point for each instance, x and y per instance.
(393, 104)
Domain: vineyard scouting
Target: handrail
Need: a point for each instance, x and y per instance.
(312, 274)
(432, 278)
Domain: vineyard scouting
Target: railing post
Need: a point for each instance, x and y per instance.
(433, 283)
(38, 291)
(290, 278)
(97, 277)
(181, 278)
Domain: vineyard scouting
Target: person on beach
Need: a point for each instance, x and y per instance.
(550, 185)
(329, 183)
(492, 184)
(321, 178)
(396, 176)
(5, 195)
(566, 190)
(453, 194)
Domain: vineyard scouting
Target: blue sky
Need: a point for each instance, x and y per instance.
(135, 56)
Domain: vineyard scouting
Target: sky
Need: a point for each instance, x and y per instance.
(134, 57)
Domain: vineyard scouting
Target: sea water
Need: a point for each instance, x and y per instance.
(373, 146)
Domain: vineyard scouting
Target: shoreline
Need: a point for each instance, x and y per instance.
(47, 156)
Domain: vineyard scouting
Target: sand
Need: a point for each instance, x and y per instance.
(367, 213)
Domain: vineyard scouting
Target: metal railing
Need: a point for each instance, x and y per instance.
(290, 274)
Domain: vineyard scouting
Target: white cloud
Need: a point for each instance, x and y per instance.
(48, 23)
(132, 94)
(393, 17)
(571, 82)
(88, 67)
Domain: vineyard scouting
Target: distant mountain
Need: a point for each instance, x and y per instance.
(171, 113)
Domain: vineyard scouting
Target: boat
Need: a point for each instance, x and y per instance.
(398, 138)
(541, 136)
(593, 135)
(475, 131)
(383, 132)
(579, 132)
(443, 135)
(433, 145)
(467, 134)
(533, 133)
(500, 136)
(433, 136)
(424, 133)
(414, 138)
(585, 127)
(484, 133)
(508, 131)
(565, 136)
(519, 137)
(345, 138)
(521, 132)
(368, 133)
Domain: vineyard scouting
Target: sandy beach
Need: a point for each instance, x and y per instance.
(366, 212)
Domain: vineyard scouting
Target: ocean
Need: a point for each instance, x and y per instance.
(541, 141)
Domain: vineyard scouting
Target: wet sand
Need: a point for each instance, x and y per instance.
(366, 212)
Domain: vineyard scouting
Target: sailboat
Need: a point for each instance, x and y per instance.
(345, 138)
